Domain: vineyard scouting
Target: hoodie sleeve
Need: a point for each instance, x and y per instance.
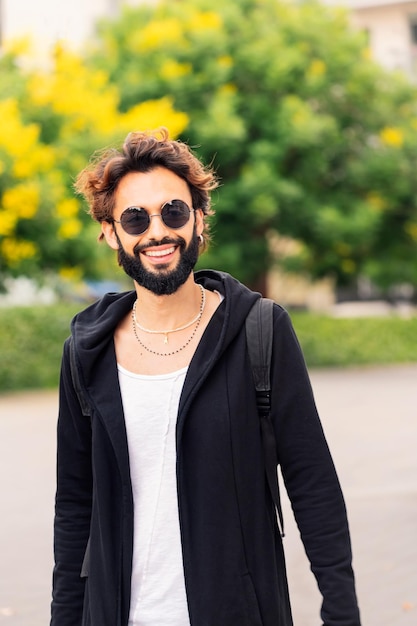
(311, 480)
(72, 502)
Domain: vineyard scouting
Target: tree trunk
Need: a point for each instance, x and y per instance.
(260, 284)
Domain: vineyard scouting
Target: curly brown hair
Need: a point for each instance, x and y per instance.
(142, 152)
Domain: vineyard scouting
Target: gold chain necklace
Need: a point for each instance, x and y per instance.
(196, 320)
(173, 330)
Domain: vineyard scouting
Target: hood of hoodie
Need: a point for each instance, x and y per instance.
(93, 328)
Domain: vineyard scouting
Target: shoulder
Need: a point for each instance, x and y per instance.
(111, 305)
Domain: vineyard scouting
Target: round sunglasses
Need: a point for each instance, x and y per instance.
(136, 220)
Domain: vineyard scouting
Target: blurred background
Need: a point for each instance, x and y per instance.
(308, 113)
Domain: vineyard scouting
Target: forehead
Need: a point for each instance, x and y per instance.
(151, 189)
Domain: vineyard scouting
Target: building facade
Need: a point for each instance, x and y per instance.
(48, 21)
(391, 27)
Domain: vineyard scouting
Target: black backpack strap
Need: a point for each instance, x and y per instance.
(85, 407)
(259, 336)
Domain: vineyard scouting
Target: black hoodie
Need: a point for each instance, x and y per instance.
(232, 551)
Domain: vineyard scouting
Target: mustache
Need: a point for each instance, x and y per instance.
(177, 241)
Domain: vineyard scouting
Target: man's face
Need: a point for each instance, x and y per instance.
(162, 281)
(160, 259)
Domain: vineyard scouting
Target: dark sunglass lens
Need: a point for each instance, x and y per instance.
(175, 214)
(134, 220)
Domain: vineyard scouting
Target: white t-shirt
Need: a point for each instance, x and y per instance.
(150, 406)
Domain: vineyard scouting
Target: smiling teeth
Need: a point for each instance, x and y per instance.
(160, 252)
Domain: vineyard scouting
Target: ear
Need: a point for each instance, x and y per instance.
(199, 222)
(107, 228)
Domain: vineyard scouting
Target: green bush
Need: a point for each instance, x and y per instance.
(31, 341)
(327, 341)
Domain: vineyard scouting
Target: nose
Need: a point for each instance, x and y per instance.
(156, 228)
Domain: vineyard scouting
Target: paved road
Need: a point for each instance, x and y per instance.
(370, 418)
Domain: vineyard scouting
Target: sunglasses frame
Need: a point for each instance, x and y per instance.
(150, 215)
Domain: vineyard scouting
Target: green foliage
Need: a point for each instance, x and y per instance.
(31, 342)
(53, 118)
(329, 342)
(309, 136)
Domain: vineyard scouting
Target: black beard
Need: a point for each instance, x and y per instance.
(161, 282)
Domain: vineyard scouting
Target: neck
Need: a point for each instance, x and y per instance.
(160, 312)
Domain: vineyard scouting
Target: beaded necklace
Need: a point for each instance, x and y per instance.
(196, 320)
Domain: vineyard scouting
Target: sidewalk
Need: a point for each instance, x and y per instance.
(370, 419)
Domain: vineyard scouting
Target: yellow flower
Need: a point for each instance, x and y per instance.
(82, 96)
(21, 142)
(208, 20)
(86, 101)
(367, 53)
(298, 111)
(153, 114)
(173, 69)
(157, 34)
(67, 208)
(392, 137)
(72, 274)
(18, 46)
(317, 68)
(22, 200)
(225, 61)
(39, 159)
(377, 202)
(70, 229)
(7, 223)
(15, 137)
(15, 251)
(22, 168)
(39, 89)
(228, 89)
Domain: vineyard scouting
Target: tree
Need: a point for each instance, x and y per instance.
(311, 139)
(52, 121)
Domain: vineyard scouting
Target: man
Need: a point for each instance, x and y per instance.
(163, 515)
